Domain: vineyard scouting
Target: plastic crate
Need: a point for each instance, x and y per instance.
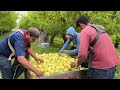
(78, 74)
(44, 45)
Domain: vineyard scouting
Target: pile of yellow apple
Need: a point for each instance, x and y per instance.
(0, 76)
(53, 63)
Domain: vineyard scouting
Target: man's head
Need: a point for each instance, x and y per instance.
(69, 36)
(33, 34)
(82, 21)
(70, 33)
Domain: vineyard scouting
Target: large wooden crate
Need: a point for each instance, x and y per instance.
(78, 74)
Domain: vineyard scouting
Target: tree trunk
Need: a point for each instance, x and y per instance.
(63, 36)
(116, 43)
(52, 38)
(113, 16)
(0, 33)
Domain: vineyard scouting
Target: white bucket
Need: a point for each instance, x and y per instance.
(44, 45)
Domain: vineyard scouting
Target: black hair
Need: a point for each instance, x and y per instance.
(82, 19)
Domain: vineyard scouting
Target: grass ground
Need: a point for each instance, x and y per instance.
(55, 47)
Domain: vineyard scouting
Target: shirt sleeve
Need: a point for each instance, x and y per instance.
(74, 51)
(66, 44)
(20, 48)
(84, 45)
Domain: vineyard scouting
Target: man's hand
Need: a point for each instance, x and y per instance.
(59, 53)
(39, 73)
(39, 60)
(65, 51)
(74, 64)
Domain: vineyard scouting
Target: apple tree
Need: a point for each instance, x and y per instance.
(7, 21)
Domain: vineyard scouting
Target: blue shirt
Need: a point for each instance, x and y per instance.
(18, 43)
(76, 41)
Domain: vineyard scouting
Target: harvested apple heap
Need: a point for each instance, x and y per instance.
(53, 64)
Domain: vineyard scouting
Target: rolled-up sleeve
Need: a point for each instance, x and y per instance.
(66, 44)
(75, 51)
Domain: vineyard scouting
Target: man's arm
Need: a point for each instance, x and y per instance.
(84, 45)
(65, 45)
(31, 52)
(83, 50)
(24, 62)
(75, 51)
(20, 53)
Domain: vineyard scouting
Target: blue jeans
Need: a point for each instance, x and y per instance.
(101, 73)
(5, 68)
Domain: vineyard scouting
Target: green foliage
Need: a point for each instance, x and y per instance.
(7, 20)
(57, 22)
(53, 22)
(3, 35)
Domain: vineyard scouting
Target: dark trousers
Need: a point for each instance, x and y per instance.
(5, 68)
(9, 71)
(101, 73)
(18, 69)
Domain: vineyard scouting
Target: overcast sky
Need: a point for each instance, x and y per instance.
(21, 13)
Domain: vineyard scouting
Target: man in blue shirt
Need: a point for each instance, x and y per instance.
(71, 35)
(20, 41)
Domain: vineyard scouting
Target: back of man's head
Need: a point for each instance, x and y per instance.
(82, 19)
